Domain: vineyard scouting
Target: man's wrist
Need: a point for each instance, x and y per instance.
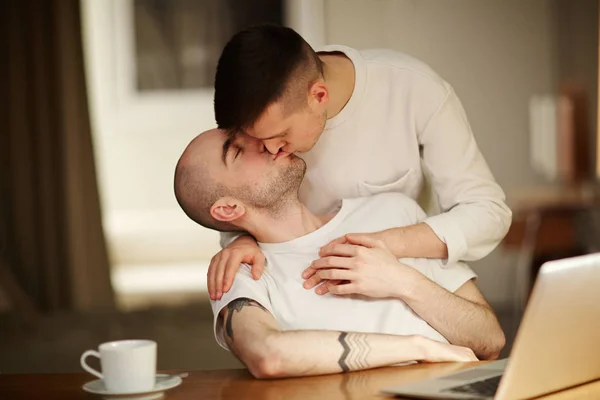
(414, 241)
(392, 238)
(419, 346)
(410, 284)
(244, 237)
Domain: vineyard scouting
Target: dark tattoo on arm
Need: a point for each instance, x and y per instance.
(356, 351)
(238, 305)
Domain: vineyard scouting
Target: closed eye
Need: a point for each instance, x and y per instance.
(237, 153)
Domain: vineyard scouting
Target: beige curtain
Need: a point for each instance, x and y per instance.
(51, 239)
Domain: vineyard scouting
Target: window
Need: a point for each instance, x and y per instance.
(150, 63)
(178, 42)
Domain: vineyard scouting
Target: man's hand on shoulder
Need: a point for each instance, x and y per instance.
(225, 264)
(359, 264)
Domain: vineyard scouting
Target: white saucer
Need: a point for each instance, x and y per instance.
(163, 382)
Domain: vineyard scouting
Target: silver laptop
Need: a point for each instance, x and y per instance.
(557, 344)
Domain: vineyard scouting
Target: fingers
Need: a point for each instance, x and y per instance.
(365, 240)
(225, 264)
(235, 259)
(230, 269)
(328, 274)
(339, 249)
(327, 262)
(348, 288)
(324, 288)
(313, 273)
(218, 276)
(258, 266)
(333, 262)
(313, 281)
(308, 272)
(461, 354)
(470, 355)
(210, 276)
(466, 356)
(339, 240)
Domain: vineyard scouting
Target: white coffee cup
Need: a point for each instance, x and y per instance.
(128, 366)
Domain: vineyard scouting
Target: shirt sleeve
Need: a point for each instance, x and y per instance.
(244, 286)
(474, 216)
(450, 277)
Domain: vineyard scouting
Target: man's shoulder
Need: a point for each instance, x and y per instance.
(243, 278)
(244, 285)
(394, 66)
(398, 60)
(383, 56)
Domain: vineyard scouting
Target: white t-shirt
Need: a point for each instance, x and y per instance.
(399, 105)
(280, 288)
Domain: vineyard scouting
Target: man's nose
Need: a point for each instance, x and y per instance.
(272, 146)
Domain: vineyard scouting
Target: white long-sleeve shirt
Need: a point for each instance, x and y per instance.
(403, 118)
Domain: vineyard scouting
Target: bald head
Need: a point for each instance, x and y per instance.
(195, 187)
(223, 183)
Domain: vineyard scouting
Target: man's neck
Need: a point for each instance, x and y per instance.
(290, 223)
(339, 75)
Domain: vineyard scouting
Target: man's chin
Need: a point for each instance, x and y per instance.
(288, 158)
(293, 172)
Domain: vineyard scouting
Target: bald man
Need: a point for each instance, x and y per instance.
(368, 310)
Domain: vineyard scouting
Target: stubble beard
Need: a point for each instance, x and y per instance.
(281, 192)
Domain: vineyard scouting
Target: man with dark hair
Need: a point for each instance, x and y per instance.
(277, 327)
(298, 67)
(365, 122)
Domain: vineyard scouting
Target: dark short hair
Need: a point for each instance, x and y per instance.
(259, 66)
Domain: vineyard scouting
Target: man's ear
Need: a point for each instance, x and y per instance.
(318, 93)
(227, 209)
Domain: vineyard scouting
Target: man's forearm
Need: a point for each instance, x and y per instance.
(462, 322)
(300, 353)
(414, 241)
(271, 353)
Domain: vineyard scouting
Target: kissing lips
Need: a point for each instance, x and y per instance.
(281, 154)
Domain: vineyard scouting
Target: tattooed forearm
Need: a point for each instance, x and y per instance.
(238, 305)
(356, 351)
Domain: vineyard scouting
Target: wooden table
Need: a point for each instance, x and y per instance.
(238, 384)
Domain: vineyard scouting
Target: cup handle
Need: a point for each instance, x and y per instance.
(87, 367)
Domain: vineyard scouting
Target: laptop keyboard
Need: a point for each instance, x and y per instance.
(485, 388)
